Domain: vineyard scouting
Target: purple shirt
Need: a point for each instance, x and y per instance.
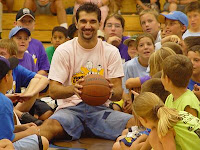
(27, 62)
(36, 49)
(123, 49)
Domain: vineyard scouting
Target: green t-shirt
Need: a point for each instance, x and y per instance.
(187, 99)
(50, 51)
(187, 132)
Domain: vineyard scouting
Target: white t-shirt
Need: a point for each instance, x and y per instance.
(188, 33)
(71, 62)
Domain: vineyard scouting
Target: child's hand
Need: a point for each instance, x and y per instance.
(127, 106)
(196, 91)
(135, 93)
(175, 39)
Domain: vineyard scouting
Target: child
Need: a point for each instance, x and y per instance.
(155, 86)
(23, 136)
(130, 42)
(176, 73)
(137, 67)
(170, 129)
(24, 78)
(193, 13)
(59, 36)
(176, 24)
(149, 23)
(147, 4)
(72, 31)
(48, 7)
(21, 37)
(155, 63)
(194, 56)
(25, 18)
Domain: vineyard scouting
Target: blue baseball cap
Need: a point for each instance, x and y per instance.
(7, 64)
(16, 29)
(174, 15)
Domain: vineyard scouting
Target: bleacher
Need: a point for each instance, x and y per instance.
(44, 24)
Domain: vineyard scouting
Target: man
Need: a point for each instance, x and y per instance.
(73, 60)
(113, 30)
(48, 7)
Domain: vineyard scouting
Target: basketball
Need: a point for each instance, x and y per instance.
(95, 91)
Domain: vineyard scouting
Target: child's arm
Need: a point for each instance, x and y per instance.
(168, 141)
(23, 127)
(30, 131)
(191, 111)
(133, 83)
(171, 38)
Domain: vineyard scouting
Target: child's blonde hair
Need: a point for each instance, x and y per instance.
(10, 45)
(148, 105)
(156, 59)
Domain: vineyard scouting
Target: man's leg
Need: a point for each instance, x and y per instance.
(30, 4)
(58, 9)
(52, 129)
(9, 5)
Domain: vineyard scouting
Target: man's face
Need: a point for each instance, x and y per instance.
(113, 27)
(22, 41)
(150, 24)
(174, 27)
(87, 25)
(4, 53)
(194, 19)
(195, 59)
(26, 22)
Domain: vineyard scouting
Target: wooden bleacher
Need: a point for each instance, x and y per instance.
(45, 24)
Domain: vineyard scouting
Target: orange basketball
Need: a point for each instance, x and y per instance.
(96, 90)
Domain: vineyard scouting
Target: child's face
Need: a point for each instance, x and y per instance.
(4, 53)
(58, 38)
(174, 27)
(149, 24)
(22, 41)
(147, 123)
(194, 19)
(145, 48)
(26, 22)
(195, 59)
(132, 51)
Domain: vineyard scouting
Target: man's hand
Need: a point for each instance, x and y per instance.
(77, 87)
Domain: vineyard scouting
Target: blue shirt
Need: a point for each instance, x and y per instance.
(191, 84)
(6, 117)
(21, 78)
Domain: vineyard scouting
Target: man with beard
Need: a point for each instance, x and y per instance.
(85, 54)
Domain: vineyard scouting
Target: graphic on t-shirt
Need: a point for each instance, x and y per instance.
(34, 58)
(87, 69)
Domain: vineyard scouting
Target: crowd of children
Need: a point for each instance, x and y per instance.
(161, 83)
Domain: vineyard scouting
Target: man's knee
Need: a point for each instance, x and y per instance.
(131, 122)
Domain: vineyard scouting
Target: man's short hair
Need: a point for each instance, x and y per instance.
(193, 6)
(10, 45)
(155, 86)
(60, 29)
(178, 68)
(116, 16)
(89, 8)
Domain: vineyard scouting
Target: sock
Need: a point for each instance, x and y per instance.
(64, 25)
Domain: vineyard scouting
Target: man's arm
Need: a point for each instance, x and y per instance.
(57, 90)
(117, 89)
